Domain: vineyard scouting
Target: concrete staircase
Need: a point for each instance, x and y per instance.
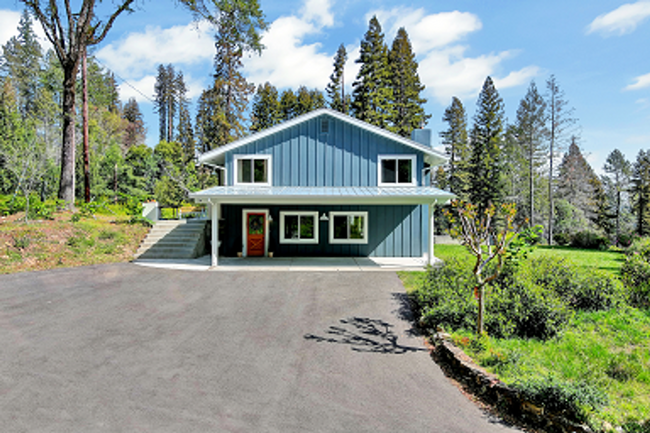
(178, 239)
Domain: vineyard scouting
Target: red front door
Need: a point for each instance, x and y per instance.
(256, 233)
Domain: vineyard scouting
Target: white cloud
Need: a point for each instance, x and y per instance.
(287, 61)
(641, 82)
(427, 32)
(143, 89)
(142, 52)
(621, 20)
(8, 24)
(9, 21)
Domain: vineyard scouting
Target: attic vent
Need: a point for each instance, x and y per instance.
(324, 126)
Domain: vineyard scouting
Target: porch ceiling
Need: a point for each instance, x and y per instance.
(322, 195)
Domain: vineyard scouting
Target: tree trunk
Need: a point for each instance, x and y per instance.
(84, 77)
(481, 310)
(67, 179)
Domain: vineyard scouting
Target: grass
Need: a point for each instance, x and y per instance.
(609, 261)
(62, 242)
(609, 350)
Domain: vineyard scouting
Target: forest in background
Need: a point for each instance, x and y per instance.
(536, 161)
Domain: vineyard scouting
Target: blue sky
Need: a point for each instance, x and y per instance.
(598, 51)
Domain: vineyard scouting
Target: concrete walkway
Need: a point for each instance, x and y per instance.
(312, 264)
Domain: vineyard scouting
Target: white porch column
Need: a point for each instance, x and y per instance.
(431, 232)
(214, 207)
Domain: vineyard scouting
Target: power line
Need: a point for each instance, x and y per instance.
(125, 81)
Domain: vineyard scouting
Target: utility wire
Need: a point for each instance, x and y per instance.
(125, 81)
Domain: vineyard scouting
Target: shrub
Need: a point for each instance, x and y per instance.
(640, 246)
(573, 400)
(635, 274)
(590, 240)
(562, 239)
(446, 299)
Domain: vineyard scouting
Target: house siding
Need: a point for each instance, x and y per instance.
(303, 156)
(393, 231)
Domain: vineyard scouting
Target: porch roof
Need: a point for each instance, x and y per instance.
(322, 195)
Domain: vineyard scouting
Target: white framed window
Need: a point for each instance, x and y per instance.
(396, 170)
(298, 227)
(348, 227)
(252, 170)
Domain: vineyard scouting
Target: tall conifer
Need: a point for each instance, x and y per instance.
(641, 192)
(372, 90)
(407, 112)
(486, 182)
(457, 149)
(266, 110)
(336, 87)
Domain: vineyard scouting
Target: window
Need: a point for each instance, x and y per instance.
(253, 169)
(298, 227)
(348, 227)
(397, 170)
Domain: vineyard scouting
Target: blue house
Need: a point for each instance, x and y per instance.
(324, 184)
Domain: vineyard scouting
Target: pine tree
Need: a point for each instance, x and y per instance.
(485, 166)
(210, 121)
(641, 192)
(560, 119)
(372, 90)
(308, 100)
(530, 135)
(577, 182)
(336, 87)
(407, 113)
(166, 100)
(135, 130)
(266, 110)
(618, 170)
(288, 104)
(21, 57)
(185, 136)
(457, 148)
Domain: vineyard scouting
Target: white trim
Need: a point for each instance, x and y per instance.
(332, 214)
(431, 155)
(313, 214)
(413, 158)
(244, 230)
(215, 211)
(269, 170)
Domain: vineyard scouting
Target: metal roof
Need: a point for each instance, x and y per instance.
(431, 155)
(322, 195)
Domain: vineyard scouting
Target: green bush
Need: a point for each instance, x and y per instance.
(640, 246)
(573, 400)
(590, 240)
(562, 239)
(534, 299)
(635, 274)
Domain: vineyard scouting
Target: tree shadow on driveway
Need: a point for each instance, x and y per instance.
(364, 335)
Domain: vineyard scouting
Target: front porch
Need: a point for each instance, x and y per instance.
(293, 264)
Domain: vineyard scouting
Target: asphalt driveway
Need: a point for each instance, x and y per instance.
(124, 348)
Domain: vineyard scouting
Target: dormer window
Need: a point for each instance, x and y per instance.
(397, 170)
(253, 170)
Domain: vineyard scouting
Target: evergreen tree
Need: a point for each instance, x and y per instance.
(308, 100)
(336, 87)
(209, 121)
(577, 182)
(407, 112)
(266, 110)
(530, 136)
(135, 130)
(166, 100)
(641, 192)
(485, 165)
(618, 170)
(560, 119)
(288, 104)
(457, 149)
(372, 90)
(21, 57)
(185, 135)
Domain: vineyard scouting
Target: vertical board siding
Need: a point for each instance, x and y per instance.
(303, 156)
(388, 228)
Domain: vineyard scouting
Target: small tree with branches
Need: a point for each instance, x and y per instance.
(486, 235)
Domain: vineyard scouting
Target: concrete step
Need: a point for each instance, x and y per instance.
(172, 240)
(159, 236)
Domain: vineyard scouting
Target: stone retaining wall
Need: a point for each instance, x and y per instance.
(492, 391)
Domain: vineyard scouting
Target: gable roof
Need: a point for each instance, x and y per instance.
(431, 155)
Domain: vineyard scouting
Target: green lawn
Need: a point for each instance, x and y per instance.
(610, 261)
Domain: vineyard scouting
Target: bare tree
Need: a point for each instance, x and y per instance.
(69, 35)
